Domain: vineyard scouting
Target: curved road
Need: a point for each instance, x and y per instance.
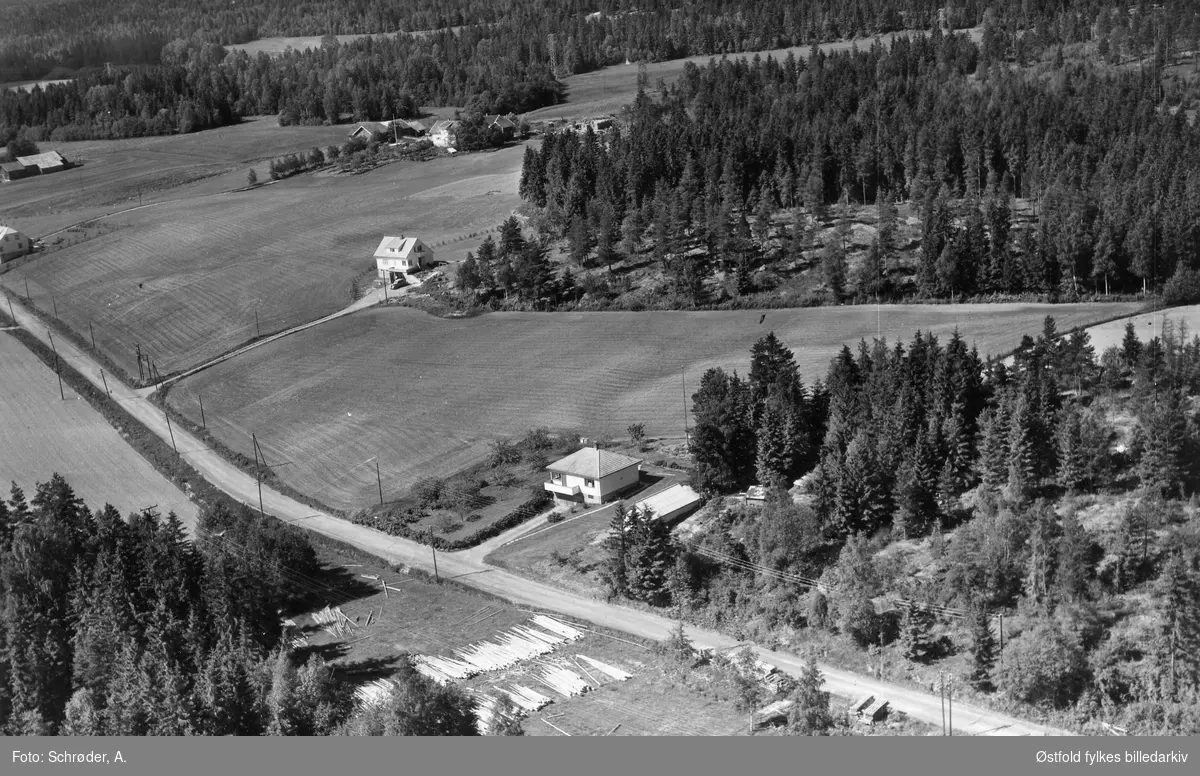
(469, 568)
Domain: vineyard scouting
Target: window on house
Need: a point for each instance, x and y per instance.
(590, 483)
(556, 475)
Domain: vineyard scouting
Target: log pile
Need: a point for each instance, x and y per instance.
(525, 698)
(605, 668)
(563, 680)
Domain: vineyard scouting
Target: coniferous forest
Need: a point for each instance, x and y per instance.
(113, 625)
(143, 68)
(743, 165)
(1056, 491)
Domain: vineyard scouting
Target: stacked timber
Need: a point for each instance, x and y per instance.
(554, 626)
(605, 668)
(443, 670)
(525, 698)
(372, 693)
(563, 680)
(486, 709)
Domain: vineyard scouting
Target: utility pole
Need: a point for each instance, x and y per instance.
(436, 577)
(141, 375)
(950, 698)
(256, 326)
(168, 417)
(11, 314)
(379, 481)
(942, 693)
(92, 332)
(202, 423)
(57, 371)
(54, 304)
(27, 299)
(687, 438)
(105, 381)
(257, 474)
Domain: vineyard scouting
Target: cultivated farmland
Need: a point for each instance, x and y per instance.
(1147, 326)
(426, 396)
(185, 279)
(41, 434)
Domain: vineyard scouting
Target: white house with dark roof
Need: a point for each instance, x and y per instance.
(592, 476)
(13, 244)
(397, 256)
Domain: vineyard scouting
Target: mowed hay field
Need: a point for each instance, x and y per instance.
(41, 434)
(1147, 326)
(184, 280)
(609, 89)
(112, 173)
(426, 396)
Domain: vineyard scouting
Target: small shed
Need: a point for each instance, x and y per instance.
(875, 712)
(673, 504)
(756, 493)
(49, 161)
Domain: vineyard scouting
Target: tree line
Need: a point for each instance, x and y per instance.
(114, 625)
(743, 166)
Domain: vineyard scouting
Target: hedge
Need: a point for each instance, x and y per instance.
(396, 526)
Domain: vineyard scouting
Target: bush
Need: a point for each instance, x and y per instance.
(504, 453)
(1044, 665)
(428, 491)
(555, 517)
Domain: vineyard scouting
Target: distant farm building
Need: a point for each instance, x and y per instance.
(41, 164)
(13, 244)
(397, 256)
(505, 125)
(11, 171)
(592, 476)
(672, 504)
(444, 133)
(396, 128)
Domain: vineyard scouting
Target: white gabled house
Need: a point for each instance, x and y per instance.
(398, 256)
(592, 476)
(13, 244)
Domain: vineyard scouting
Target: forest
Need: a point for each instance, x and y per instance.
(758, 168)
(119, 625)
(155, 69)
(1057, 492)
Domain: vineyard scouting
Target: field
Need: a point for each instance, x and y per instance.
(41, 434)
(426, 396)
(276, 46)
(185, 278)
(606, 91)
(112, 173)
(1147, 326)
(567, 555)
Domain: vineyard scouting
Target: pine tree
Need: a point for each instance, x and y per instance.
(618, 551)
(1077, 556)
(810, 715)
(776, 432)
(1022, 451)
(1072, 468)
(1179, 592)
(1163, 464)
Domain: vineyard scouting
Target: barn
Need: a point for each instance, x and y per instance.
(40, 164)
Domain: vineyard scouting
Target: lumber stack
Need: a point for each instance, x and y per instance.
(563, 680)
(525, 698)
(443, 670)
(605, 668)
(486, 709)
(554, 626)
(372, 693)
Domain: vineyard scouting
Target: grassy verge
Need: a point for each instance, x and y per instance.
(69, 334)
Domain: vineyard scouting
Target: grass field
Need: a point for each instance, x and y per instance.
(276, 46)
(1147, 326)
(41, 434)
(161, 168)
(426, 396)
(185, 278)
(606, 91)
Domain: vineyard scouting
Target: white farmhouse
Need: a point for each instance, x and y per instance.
(397, 256)
(592, 476)
(13, 244)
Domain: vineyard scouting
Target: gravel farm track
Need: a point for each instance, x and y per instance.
(469, 568)
(41, 433)
(421, 394)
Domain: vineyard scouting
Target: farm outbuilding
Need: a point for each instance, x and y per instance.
(40, 164)
(13, 244)
(11, 171)
(505, 125)
(397, 256)
(672, 504)
(592, 476)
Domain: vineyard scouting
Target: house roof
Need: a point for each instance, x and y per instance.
(444, 124)
(364, 127)
(417, 124)
(47, 159)
(5, 230)
(591, 462)
(396, 247)
(12, 166)
(498, 120)
(672, 499)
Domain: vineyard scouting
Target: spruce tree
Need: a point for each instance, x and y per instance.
(916, 635)
(1178, 589)
(983, 650)
(1072, 468)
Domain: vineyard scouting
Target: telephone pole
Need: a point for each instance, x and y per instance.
(170, 431)
(379, 481)
(687, 438)
(257, 475)
(57, 371)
